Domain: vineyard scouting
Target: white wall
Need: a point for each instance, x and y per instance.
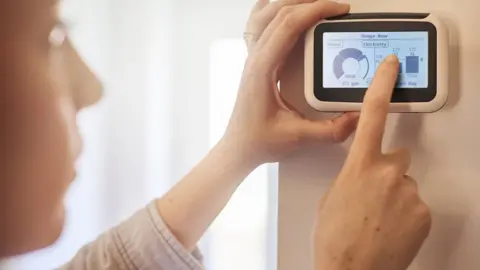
(198, 25)
(444, 147)
(139, 105)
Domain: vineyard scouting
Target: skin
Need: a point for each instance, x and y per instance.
(44, 84)
(385, 228)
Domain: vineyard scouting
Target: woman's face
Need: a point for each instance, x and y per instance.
(44, 84)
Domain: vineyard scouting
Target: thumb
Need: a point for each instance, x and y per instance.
(334, 130)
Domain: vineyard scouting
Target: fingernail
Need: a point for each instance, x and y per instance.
(391, 59)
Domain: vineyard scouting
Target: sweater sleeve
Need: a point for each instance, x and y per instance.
(143, 242)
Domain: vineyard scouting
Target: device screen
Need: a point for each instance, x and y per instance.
(350, 59)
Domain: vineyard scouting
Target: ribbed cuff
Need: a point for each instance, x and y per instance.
(146, 243)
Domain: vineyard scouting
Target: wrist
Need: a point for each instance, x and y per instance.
(235, 156)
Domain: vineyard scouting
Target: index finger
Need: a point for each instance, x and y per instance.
(373, 116)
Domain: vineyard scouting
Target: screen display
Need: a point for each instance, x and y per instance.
(350, 59)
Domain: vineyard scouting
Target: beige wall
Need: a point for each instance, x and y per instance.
(444, 147)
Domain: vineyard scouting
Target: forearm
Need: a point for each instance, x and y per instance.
(192, 205)
(164, 237)
(341, 264)
(330, 256)
(140, 242)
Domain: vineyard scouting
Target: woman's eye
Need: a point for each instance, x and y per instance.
(58, 35)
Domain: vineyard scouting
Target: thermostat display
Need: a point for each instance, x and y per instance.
(350, 59)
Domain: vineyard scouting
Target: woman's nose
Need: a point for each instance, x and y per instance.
(89, 90)
(86, 87)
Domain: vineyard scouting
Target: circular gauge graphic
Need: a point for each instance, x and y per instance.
(351, 63)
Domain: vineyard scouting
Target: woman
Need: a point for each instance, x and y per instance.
(45, 83)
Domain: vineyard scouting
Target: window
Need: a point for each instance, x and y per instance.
(241, 237)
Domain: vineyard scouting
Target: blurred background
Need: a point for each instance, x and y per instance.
(171, 70)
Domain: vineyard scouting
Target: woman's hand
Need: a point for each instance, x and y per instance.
(262, 15)
(372, 217)
(263, 126)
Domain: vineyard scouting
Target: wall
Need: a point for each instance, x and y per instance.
(444, 148)
(199, 25)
